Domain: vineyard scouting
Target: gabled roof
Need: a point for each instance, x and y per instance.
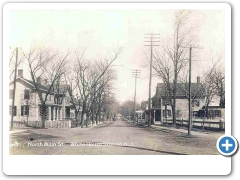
(30, 83)
(197, 90)
(40, 86)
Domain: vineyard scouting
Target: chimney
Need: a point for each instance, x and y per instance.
(39, 80)
(20, 73)
(198, 80)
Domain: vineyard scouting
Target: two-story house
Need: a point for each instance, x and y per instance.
(161, 108)
(27, 103)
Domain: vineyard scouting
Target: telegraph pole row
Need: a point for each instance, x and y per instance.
(152, 42)
(136, 74)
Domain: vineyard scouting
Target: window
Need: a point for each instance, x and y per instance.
(169, 113)
(217, 113)
(14, 110)
(10, 94)
(26, 94)
(210, 113)
(159, 103)
(24, 110)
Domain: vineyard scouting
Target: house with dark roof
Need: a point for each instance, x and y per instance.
(27, 103)
(161, 108)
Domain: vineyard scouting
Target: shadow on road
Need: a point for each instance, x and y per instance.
(28, 135)
(147, 149)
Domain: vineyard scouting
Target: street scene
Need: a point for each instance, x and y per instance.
(116, 82)
(114, 138)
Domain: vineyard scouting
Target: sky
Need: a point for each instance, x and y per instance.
(101, 30)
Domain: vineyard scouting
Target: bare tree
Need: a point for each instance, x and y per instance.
(172, 57)
(219, 84)
(127, 108)
(47, 64)
(89, 79)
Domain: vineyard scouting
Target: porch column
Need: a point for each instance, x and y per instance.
(49, 113)
(57, 113)
(54, 113)
(60, 113)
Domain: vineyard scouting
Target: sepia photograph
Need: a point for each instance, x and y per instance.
(116, 81)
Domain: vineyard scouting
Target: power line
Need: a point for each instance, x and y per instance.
(189, 87)
(136, 74)
(152, 44)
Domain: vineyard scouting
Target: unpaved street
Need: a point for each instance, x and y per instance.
(117, 137)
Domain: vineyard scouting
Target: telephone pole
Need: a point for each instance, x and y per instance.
(136, 74)
(151, 40)
(190, 93)
(190, 88)
(14, 89)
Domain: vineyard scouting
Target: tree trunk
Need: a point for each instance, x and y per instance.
(87, 118)
(174, 97)
(82, 118)
(76, 118)
(174, 112)
(43, 113)
(96, 118)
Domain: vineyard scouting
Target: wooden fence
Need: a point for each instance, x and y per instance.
(217, 124)
(38, 124)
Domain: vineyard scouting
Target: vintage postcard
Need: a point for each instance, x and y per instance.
(144, 86)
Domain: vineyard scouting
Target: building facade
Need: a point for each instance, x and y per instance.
(161, 109)
(28, 106)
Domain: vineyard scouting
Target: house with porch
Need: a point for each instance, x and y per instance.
(28, 106)
(161, 109)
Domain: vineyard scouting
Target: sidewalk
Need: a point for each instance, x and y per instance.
(160, 127)
(19, 130)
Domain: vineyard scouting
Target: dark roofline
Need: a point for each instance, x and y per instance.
(29, 82)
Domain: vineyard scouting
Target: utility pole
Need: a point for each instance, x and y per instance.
(190, 93)
(14, 89)
(189, 88)
(136, 74)
(151, 37)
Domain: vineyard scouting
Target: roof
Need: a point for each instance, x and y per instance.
(197, 90)
(40, 86)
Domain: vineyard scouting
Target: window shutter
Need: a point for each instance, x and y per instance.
(22, 110)
(27, 110)
(15, 110)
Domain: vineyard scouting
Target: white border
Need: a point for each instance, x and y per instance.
(116, 165)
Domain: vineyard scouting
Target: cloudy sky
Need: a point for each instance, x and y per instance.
(100, 30)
